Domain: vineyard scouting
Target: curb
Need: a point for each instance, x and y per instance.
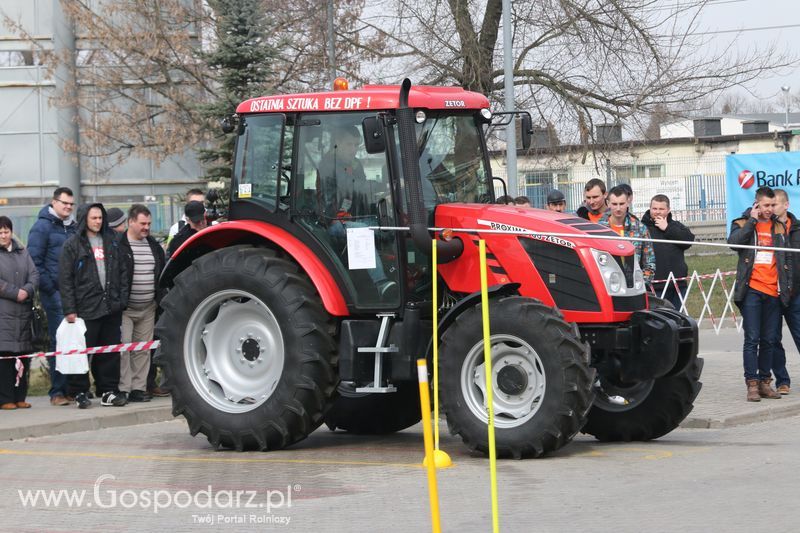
(65, 424)
(771, 411)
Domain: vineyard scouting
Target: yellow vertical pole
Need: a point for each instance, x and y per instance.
(487, 357)
(440, 458)
(435, 270)
(425, 402)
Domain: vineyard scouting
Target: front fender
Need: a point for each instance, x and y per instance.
(495, 291)
(256, 232)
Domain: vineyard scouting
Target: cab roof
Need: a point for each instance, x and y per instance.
(370, 97)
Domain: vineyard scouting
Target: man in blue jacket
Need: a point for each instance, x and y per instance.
(45, 240)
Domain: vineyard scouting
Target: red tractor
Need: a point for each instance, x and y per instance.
(313, 301)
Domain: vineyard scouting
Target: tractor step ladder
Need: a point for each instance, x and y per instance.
(379, 349)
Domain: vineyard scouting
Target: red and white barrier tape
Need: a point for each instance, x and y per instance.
(701, 276)
(111, 348)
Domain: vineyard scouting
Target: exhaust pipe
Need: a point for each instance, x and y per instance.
(446, 251)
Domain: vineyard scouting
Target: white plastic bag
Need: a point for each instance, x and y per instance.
(70, 336)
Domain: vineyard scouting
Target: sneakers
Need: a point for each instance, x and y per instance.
(116, 399)
(138, 396)
(82, 401)
(59, 400)
(387, 289)
(783, 390)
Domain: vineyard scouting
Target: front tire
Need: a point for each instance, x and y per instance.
(542, 384)
(654, 407)
(245, 345)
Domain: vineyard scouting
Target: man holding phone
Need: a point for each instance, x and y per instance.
(763, 283)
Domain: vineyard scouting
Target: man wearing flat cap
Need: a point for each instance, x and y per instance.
(556, 201)
(195, 221)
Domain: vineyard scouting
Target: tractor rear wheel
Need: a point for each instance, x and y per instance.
(542, 383)
(374, 413)
(246, 348)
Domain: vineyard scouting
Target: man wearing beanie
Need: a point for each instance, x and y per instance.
(116, 219)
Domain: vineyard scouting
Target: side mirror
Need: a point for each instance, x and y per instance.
(226, 124)
(526, 130)
(374, 141)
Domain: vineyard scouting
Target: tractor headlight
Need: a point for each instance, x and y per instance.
(614, 281)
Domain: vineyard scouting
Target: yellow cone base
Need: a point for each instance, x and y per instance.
(440, 459)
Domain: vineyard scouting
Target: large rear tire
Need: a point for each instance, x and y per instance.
(542, 383)
(246, 349)
(373, 413)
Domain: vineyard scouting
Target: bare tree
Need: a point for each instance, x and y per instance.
(577, 62)
(143, 77)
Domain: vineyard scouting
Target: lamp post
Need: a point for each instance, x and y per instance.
(785, 89)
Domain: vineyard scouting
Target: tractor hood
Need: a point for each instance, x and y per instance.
(511, 218)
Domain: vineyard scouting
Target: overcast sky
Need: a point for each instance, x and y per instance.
(748, 15)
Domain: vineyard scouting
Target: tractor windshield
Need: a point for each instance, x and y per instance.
(451, 160)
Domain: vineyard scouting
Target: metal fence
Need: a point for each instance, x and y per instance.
(695, 185)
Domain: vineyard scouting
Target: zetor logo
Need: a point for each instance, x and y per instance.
(746, 179)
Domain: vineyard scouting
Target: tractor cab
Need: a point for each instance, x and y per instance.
(328, 167)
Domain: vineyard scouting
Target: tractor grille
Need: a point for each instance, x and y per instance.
(563, 274)
(629, 303)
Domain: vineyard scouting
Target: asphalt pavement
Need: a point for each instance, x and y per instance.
(721, 402)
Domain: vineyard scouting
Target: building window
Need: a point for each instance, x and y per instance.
(538, 183)
(626, 173)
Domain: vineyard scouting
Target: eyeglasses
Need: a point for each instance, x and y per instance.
(70, 204)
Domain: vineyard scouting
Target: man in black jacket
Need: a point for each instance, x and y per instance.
(669, 256)
(94, 284)
(144, 259)
(763, 284)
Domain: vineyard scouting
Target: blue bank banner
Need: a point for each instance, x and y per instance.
(745, 173)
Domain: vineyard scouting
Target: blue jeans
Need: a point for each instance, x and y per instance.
(791, 314)
(761, 322)
(55, 314)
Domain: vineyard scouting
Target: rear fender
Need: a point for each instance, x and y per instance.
(254, 232)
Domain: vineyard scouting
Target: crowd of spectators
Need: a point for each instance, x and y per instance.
(101, 267)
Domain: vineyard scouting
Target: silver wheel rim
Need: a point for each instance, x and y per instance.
(511, 356)
(233, 351)
(620, 398)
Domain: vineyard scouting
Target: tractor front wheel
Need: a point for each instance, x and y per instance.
(541, 380)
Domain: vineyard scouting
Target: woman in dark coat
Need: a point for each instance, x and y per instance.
(18, 281)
